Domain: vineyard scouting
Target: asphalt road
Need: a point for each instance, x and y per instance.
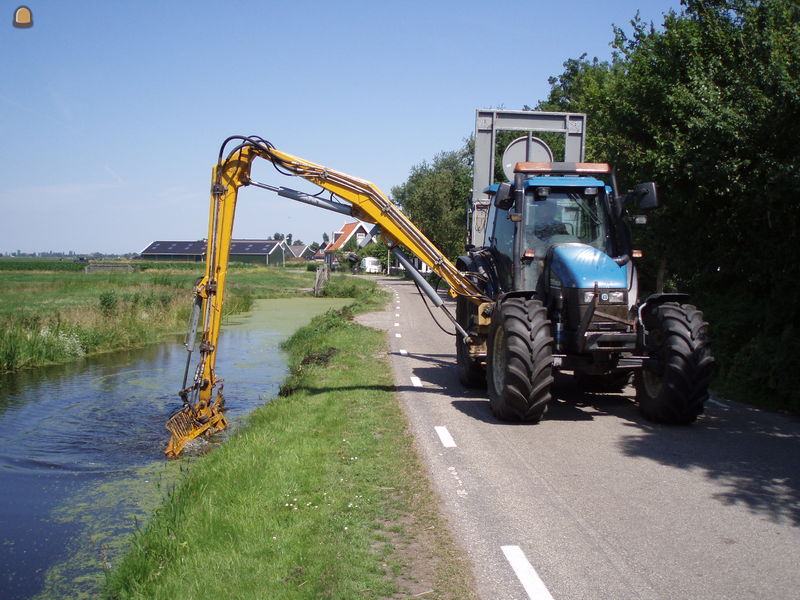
(594, 501)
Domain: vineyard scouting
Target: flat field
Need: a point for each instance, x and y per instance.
(51, 314)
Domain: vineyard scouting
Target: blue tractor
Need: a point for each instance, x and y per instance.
(552, 250)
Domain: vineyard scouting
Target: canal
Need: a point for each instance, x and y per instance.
(81, 447)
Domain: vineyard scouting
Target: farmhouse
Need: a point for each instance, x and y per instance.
(354, 230)
(319, 255)
(301, 251)
(269, 252)
(349, 231)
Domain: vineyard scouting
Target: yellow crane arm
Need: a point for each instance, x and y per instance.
(370, 204)
(200, 413)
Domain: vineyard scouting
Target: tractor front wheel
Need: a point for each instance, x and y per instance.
(674, 388)
(520, 360)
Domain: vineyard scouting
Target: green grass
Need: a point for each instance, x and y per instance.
(319, 496)
(57, 316)
(67, 264)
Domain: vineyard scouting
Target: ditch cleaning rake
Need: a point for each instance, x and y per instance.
(189, 421)
(198, 415)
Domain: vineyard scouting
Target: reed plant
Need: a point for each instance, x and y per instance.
(60, 316)
(115, 321)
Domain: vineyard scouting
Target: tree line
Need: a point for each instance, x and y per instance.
(708, 106)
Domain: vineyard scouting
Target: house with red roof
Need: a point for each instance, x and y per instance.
(345, 234)
(349, 231)
(319, 255)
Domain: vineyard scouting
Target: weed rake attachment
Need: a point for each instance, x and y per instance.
(189, 421)
(198, 415)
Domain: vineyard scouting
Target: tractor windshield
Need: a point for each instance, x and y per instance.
(565, 216)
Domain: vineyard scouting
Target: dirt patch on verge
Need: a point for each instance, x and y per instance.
(321, 357)
(422, 557)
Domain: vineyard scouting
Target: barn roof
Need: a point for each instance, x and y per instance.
(165, 247)
(198, 248)
(251, 247)
(298, 249)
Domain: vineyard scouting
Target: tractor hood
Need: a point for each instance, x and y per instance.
(582, 266)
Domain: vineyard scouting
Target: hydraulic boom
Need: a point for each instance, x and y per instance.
(202, 411)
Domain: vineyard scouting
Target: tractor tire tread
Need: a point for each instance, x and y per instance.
(528, 375)
(681, 343)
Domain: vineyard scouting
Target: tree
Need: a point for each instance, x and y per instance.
(277, 236)
(708, 106)
(587, 86)
(325, 237)
(378, 249)
(435, 198)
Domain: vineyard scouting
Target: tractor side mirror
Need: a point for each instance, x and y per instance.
(646, 196)
(503, 198)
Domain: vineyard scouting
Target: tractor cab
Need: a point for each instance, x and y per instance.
(562, 210)
(551, 205)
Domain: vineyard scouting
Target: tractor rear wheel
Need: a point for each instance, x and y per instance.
(470, 371)
(676, 387)
(520, 360)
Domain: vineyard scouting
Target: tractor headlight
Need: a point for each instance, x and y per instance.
(605, 297)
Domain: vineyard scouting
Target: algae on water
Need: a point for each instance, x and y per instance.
(106, 512)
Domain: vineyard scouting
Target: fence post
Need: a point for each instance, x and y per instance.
(321, 279)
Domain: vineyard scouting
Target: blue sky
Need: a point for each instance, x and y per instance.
(112, 113)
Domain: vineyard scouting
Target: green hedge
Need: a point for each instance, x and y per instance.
(33, 264)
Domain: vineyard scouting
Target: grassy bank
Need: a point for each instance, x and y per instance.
(57, 316)
(321, 495)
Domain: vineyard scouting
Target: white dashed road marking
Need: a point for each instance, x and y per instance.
(462, 493)
(416, 381)
(445, 437)
(526, 574)
(403, 352)
(397, 335)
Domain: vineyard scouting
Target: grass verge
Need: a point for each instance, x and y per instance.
(320, 495)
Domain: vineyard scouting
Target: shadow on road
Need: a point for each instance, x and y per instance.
(569, 402)
(753, 455)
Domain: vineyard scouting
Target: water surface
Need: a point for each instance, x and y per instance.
(81, 447)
